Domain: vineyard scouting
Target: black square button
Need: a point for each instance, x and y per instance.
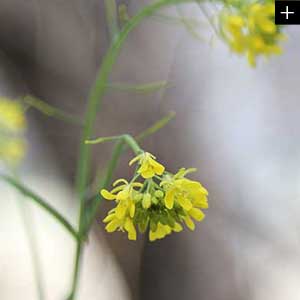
(287, 12)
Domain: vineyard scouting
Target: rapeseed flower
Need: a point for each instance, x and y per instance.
(121, 216)
(160, 204)
(249, 29)
(148, 165)
(12, 126)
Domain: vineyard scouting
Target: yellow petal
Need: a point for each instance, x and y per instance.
(158, 168)
(121, 210)
(267, 26)
(123, 195)
(160, 231)
(197, 214)
(169, 199)
(108, 218)
(147, 173)
(184, 202)
(167, 229)
(152, 236)
(201, 203)
(189, 223)
(144, 166)
(112, 226)
(129, 227)
(177, 227)
(132, 210)
(107, 195)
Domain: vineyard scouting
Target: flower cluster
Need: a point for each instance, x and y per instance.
(12, 126)
(161, 202)
(249, 29)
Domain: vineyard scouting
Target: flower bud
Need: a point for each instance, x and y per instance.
(137, 197)
(146, 201)
(154, 200)
(158, 194)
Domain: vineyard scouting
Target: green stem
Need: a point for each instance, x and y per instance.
(131, 142)
(111, 18)
(94, 101)
(79, 249)
(117, 151)
(128, 139)
(37, 199)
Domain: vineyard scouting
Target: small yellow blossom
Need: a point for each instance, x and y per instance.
(12, 116)
(148, 165)
(121, 216)
(250, 29)
(12, 126)
(12, 150)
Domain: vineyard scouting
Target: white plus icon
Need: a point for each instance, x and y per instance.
(287, 12)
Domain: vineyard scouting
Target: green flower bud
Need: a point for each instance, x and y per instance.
(154, 200)
(137, 197)
(146, 201)
(159, 194)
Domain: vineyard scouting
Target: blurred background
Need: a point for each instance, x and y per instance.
(239, 126)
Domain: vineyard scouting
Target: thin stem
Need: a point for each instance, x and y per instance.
(111, 18)
(128, 139)
(79, 249)
(117, 151)
(190, 27)
(41, 202)
(103, 139)
(206, 15)
(94, 102)
(131, 142)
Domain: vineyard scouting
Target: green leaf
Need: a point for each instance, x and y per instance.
(140, 88)
(50, 110)
(156, 126)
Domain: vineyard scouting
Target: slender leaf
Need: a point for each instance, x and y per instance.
(140, 88)
(50, 110)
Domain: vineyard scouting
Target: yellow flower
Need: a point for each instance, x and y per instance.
(148, 165)
(163, 230)
(161, 204)
(12, 116)
(188, 194)
(12, 151)
(12, 125)
(250, 29)
(122, 215)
